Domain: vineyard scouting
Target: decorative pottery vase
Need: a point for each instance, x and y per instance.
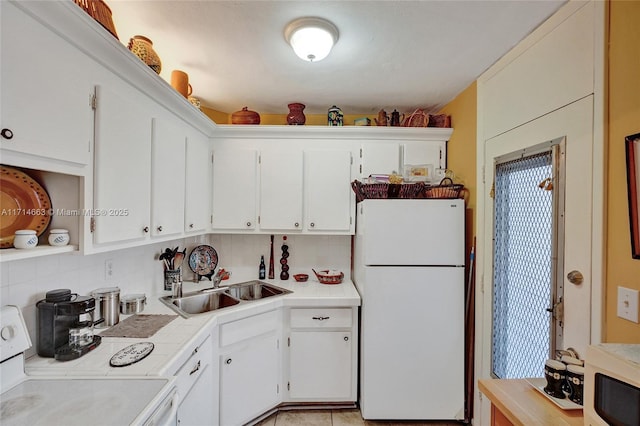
(180, 82)
(142, 47)
(246, 116)
(335, 116)
(296, 114)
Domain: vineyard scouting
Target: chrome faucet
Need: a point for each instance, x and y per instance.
(217, 278)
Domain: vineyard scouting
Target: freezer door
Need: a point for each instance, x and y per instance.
(412, 343)
(411, 232)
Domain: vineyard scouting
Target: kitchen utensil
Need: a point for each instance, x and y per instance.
(107, 305)
(203, 261)
(178, 259)
(271, 267)
(301, 277)
(132, 304)
(19, 193)
(329, 277)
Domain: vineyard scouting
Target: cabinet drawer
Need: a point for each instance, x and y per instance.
(246, 328)
(321, 317)
(189, 373)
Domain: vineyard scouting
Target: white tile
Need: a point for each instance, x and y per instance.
(22, 270)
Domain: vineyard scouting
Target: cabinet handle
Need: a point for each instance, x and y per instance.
(196, 368)
(228, 361)
(248, 224)
(6, 133)
(312, 224)
(296, 224)
(145, 229)
(346, 338)
(191, 226)
(320, 318)
(159, 228)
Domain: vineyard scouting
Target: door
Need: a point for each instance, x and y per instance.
(320, 365)
(412, 232)
(329, 198)
(235, 189)
(574, 244)
(198, 183)
(412, 343)
(122, 164)
(167, 177)
(281, 189)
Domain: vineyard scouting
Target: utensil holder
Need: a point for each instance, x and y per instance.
(172, 277)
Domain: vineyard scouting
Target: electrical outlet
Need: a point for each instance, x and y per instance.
(108, 269)
(628, 304)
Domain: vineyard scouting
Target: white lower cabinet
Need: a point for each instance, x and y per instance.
(195, 383)
(250, 370)
(322, 355)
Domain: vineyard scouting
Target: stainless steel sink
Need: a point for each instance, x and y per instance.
(254, 290)
(199, 302)
(213, 299)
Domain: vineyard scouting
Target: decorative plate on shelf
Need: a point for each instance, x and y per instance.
(203, 261)
(24, 204)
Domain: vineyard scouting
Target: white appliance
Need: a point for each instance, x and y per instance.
(612, 384)
(74, 400)
(409, 269)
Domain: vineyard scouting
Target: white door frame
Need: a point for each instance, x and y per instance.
(595, 172)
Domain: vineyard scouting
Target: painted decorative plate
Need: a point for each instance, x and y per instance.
(131, 354)
(24, 204)
(203, 261)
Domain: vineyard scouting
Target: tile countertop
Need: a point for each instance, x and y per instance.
(170, 341)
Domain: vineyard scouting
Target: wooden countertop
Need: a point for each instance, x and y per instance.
(523, 405)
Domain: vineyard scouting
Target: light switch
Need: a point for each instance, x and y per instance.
(628, 304)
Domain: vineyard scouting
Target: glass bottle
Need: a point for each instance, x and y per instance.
(261, 269)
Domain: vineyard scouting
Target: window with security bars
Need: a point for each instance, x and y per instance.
(522, 281)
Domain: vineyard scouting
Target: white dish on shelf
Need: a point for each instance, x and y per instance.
(565, 404)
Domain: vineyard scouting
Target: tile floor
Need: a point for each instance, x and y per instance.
(349, 417)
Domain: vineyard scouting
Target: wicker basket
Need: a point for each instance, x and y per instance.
(446, 189)
(99, 11)
(367, 191)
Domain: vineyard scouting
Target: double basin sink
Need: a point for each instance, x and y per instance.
(213, 299)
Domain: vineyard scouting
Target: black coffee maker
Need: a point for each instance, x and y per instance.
(61, 315)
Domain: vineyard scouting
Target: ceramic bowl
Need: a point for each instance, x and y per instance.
(301, 277)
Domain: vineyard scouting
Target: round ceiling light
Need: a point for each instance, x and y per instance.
(311, 38)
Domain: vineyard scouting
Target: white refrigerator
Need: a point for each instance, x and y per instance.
(409, 270)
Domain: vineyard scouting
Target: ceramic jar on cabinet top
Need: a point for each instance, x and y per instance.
(142, 47)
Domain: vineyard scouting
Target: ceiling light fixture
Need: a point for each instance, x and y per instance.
(311, 38)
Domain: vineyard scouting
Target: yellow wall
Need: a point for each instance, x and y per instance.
(624, 120)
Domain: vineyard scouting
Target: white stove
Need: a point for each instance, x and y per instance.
(75, 400)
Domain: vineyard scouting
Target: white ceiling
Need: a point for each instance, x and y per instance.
(390, 54)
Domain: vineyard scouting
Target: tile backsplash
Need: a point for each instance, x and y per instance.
(138, 270)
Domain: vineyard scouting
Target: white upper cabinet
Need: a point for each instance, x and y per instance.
(198, 183)
(379, 158)
(167, 177)
(327, 191)
(281, 189)
(235, 188)
(121, 193)
(45, 96)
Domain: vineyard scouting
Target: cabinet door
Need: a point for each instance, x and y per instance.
(379, 158)
(122, 164)
(329, 200)
(249, 379)
(235, 192)
(320, 365)
(198, 183)
(281, 189)
(195, 407)
(167, 177)
(46, 88)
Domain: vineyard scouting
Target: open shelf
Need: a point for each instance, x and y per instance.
(9, 254)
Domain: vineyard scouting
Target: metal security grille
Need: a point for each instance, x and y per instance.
(523, 269)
